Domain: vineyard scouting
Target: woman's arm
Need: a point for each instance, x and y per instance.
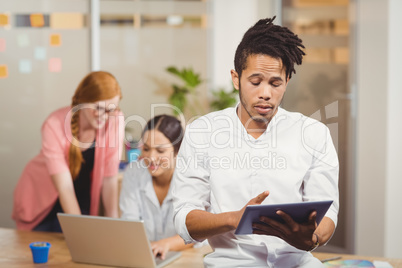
(163, 246)
(110, 191)
(65, 187)
(110, 196)
(53, 147)
(129, 200)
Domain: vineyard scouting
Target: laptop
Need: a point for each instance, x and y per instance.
(109, 241)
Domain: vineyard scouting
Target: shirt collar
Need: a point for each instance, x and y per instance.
(150, 192)
(271, 124)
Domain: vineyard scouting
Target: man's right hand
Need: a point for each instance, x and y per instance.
(202, 224)
(255, 201)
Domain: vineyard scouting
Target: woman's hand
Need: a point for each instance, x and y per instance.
(110, 196)
(161, 248)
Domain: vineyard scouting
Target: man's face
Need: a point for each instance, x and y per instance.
(262, 86)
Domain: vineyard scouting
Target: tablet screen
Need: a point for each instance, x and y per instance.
(298, 211)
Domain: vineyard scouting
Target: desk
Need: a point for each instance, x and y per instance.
(15, 252)
(396, 263)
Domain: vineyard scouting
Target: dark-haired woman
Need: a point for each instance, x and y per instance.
(146, 193)
(79, 159)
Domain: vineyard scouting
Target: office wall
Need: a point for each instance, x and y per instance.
(379, 127)
(393, 233)
(136, 56)
(33, 87)
(230, 20)
(138, 53)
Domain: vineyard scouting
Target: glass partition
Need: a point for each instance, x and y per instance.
(321, 89)
(140, 39)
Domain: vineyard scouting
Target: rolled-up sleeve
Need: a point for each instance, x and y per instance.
(191, 189)
(321, 180)
(53, 147)
(114, 145)
(129, 201)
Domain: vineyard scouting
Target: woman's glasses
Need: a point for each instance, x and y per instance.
(98, 108)
(103, 110)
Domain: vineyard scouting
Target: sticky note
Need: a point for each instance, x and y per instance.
(3, 71)
(55, 40)
(66, 20)
(55, 65)
(23, 40)
(4, 19)
(40, 53)
(25, 66)
(37, 20)
(2, 44)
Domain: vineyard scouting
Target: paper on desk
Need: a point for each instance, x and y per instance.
(382, 264)
(349, 263)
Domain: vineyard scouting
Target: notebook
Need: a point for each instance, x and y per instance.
(349, 263)
(109, 241)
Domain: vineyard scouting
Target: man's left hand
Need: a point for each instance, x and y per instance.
(299, 235)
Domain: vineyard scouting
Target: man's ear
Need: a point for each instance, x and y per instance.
(235, 79)
(287, 81)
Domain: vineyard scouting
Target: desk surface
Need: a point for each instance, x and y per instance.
(396, 263)
(15, 252)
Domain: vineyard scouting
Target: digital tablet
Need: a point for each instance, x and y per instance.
(298, 211)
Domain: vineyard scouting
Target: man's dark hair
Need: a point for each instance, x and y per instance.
(273, 40)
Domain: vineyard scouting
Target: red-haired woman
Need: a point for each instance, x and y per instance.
(78, 162)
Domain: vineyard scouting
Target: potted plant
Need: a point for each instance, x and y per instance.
(223, 99)
(179, 96)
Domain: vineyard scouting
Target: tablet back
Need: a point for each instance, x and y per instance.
(298, 211)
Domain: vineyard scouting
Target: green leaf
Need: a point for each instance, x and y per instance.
(190, 81)
(179, 101)
(173, 70)
(223, 99)
(188, 76)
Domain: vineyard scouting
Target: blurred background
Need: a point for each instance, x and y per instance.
(348, 81)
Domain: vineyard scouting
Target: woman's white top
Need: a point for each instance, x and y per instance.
(138, 201)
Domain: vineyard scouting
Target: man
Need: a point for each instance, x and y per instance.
(257, 153)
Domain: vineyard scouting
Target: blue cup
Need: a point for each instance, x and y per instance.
(40, 251)
(133, 154)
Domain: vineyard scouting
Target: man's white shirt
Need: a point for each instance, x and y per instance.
(220, 167)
